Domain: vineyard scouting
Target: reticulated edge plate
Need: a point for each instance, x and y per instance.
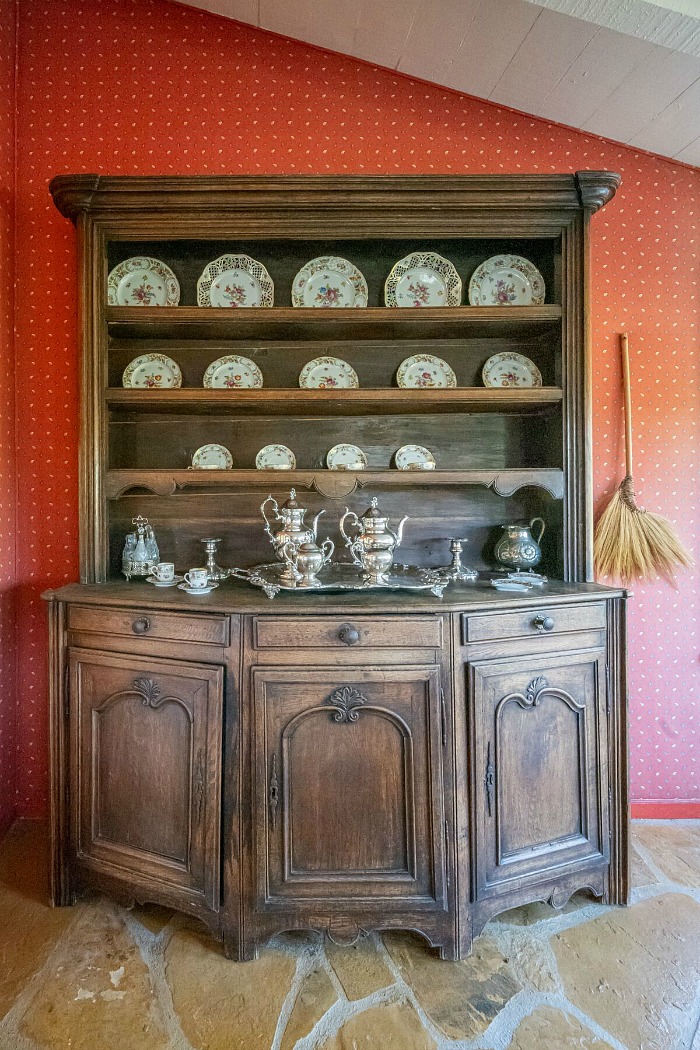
(346, 457)
(424, 371)
(328, 373)
(235, 281)
(506, 280)
(414, 457)
(423, 279)
(212, 457)
(275, 457)
(510, 370)
(152, 372)
(142, 281)
(233, 372)
(329, 281)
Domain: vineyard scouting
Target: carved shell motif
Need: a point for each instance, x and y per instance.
(346, 699)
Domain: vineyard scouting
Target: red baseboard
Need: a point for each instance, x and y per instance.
(666, 810)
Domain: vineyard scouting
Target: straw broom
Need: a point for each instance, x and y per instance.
(631, 543)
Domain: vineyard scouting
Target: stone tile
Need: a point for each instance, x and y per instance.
(635, 971)
(29, 929)
(529, 914)
(550, 1029)
(98, 995)
(315, 998)
(461, 998)
(360, 968)
(531, 964)
(223, 1005)
(152, 917)
(642, 875)
(395, 1027)
(675, 850)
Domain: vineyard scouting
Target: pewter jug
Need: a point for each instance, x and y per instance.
(517, 548)
(293, 529)
(307, 560)
(373, 546)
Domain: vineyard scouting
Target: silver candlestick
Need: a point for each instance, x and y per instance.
(456, 571)
(214, 571)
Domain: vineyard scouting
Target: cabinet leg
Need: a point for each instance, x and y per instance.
(238, 950)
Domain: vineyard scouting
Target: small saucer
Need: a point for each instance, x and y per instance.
(164, 583)
(510, 585)
(196, 590)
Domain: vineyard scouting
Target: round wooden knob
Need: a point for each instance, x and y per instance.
(349, 635)
(543, 623)
(141, 626)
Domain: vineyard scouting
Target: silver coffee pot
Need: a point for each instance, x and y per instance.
(373, 545)
(293, 529)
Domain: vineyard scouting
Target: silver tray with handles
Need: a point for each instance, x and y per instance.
(345, 577)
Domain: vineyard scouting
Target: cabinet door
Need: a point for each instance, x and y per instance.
(146, 771)
(348, 784)
(540, 774)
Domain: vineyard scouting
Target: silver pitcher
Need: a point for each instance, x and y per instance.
(373, 546)
(518, 549)
(293, 529)
(307, 560)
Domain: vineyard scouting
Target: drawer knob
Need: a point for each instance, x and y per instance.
(543, 623)
(141, 626)
(349, 635)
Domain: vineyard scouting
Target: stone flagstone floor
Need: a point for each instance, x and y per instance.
(98, 977)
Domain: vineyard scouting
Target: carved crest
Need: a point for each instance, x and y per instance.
(532, 693)
(346, 699)
(148, 691)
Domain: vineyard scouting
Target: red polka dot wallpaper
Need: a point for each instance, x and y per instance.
(7, 429)
(148, 86)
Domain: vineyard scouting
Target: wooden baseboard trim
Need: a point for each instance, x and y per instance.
(666, 810)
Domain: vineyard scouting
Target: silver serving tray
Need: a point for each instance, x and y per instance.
(344, 577)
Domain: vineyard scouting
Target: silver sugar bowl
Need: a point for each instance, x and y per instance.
(373, 545)
(307, 560)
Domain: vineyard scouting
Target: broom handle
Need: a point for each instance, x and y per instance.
(625, 353)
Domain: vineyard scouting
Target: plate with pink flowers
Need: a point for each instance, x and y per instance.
(423, 279)
(235, 281)
(506, 280)
(233, 372)
(142, 282)
(329, 281)
(152, 372)
(328, 373)
(511, 370)
(424, 371)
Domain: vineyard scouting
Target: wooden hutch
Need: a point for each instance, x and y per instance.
(200, 755)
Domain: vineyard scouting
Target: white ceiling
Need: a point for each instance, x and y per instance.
(625, 69)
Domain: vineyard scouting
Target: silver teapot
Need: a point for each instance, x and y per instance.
(293, 529)
(373, 546)
(306, 561)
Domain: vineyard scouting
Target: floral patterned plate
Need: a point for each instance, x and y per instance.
(233, 372)
(506, 280)
(275, 457)
(424, 370)
(329, 281)
(212, 457)
(414, 457)
(510, 369)
(328, 373)
(142, 282)
(235, 280)
(152, 371)
(346, 457)
(423, 279)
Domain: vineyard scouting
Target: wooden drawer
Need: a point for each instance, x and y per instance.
(545, 620)
(151, 624)
(334, 632)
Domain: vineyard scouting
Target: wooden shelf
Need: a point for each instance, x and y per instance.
(280, 323)
(332, 483)
(289, 402)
